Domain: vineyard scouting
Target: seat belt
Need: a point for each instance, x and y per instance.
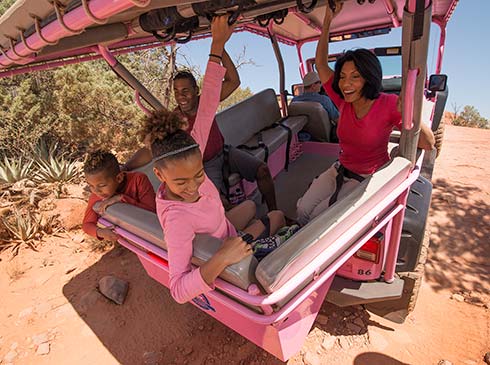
(342, 173)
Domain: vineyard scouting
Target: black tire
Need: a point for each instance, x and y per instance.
(413, 279)
(439, 135)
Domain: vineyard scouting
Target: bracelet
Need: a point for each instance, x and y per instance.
(215, 55)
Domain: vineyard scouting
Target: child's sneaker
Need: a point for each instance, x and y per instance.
(286, 232)
(263, 246)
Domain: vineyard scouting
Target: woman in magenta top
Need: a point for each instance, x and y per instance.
(367, 118)
(187, 202)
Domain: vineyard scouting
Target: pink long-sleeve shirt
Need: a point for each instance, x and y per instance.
(181, 221)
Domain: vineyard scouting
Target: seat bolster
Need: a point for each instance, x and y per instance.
(295, 123)
(145, 225)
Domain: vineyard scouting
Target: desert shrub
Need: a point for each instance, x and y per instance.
(15, 169)
(470, 117)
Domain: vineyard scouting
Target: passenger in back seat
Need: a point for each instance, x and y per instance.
(312, 85)
(187, 201)
(249, 167)
(367, 117)
(109, 186)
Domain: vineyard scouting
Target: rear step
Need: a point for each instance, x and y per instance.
(346, 292)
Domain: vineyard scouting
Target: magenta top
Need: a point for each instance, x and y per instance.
(181, 221)
(364, 142)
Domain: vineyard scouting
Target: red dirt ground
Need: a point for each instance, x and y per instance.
(50, 297)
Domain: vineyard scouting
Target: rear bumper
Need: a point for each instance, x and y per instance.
(345, 292)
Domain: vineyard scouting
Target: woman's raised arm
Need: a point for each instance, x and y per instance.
(321, 56)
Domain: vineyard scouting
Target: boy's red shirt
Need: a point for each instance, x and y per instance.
(137, 191)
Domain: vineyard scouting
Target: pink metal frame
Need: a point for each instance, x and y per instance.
(391, 12)
(66, 24)
(408, 99)
(282, 332)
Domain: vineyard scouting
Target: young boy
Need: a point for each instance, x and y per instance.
(109, 185)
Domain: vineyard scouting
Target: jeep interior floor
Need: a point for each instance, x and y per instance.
(292, 184)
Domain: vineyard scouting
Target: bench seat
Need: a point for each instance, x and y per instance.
(283, 263)
(242, 124)
(146, 226)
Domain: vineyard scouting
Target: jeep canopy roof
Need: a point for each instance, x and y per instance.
(35, 32)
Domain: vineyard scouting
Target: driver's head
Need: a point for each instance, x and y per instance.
(311, 82)
(186, 92)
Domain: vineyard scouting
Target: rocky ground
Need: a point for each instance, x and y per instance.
(51, 311)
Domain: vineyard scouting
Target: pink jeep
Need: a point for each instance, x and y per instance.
(348, 254)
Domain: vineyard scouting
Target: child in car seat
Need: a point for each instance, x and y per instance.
(188, 203)
(109, 185)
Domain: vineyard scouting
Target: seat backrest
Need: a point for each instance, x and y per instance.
(148, 171)
(321, 233)
(144, 224)
(242, 121)
(319, 124)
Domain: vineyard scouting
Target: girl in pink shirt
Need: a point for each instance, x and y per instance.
(188, 203)
(367, 117)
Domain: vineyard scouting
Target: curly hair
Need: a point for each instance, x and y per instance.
(101, 160)
(368, 66)
(166, 134)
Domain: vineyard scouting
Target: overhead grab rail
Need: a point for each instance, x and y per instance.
(39, 32)
(211, 9)
(277, 16)
(166, 23)
(91, 15)
(306, 9)
(59, 16)
(24, 42)
(66, 24)
(12, 47)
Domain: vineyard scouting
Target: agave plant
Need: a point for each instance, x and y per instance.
(44, 149)
(24, 227)
(13, 170)
(57, 169)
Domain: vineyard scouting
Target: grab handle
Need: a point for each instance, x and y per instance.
(408, 98)
(305, 9)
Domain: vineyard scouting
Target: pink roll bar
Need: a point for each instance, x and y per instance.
(75, 20)
(391, 12)
(408, 98)
(442, 40)
(137, 99)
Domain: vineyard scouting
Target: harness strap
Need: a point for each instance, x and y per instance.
(288, 144)
(290, 137)
(342, 173)
(260, 144)
(225, 169)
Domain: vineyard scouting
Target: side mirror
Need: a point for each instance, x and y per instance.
(437, 82)
(297, 89)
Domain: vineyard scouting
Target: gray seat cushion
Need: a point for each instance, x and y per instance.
(242, 121)
(295, 122)
(319, 124)
(145, 225)
(272, 138)
(148, 171)
(286, 261)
